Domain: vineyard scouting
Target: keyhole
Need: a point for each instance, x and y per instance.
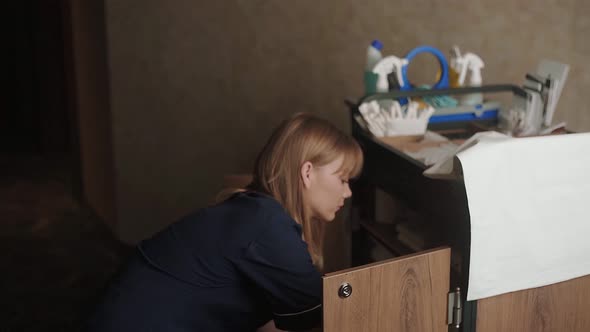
(345, 290)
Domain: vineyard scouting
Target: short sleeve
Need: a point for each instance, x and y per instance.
(278, 262)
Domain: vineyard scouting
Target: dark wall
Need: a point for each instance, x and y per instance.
(34, 118)
(88, 80)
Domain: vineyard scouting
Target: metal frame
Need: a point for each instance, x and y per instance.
(494, 88)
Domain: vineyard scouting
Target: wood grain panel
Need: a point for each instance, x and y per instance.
(554, 308)
(406, 293)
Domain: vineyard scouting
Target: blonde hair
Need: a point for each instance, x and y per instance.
(299, 139)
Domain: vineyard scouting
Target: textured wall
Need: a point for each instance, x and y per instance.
(196, 86)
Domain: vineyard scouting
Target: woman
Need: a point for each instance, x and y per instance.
(251, 259)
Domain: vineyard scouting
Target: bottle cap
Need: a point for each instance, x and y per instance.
(377, 44)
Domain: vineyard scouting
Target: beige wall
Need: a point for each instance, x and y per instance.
(196, 86)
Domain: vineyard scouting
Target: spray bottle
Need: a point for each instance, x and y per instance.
(454, 68)
(474, 63)
(388, 65)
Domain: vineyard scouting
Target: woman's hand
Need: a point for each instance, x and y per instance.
(269, 327)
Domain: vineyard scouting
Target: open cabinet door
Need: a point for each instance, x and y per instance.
(407, 293)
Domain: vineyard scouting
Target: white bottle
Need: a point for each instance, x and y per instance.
(475, 81)
(474, 64)
(373, 55)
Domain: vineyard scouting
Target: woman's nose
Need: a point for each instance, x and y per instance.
(347, 191)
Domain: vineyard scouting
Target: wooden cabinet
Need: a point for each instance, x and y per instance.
(409, 292)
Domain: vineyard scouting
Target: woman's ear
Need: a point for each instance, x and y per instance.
(306, 174)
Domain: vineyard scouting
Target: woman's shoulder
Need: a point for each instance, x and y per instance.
(262, 208)
(253, 200)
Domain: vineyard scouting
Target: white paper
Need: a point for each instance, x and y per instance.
(443, 167)
(529, 205)
(433, 155)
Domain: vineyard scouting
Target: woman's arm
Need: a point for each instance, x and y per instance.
(279, 264)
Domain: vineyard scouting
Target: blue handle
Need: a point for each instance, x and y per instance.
(443, 82)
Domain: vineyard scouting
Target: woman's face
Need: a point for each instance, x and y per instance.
(325, 189)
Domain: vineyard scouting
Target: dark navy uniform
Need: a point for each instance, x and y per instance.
(229, 267)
